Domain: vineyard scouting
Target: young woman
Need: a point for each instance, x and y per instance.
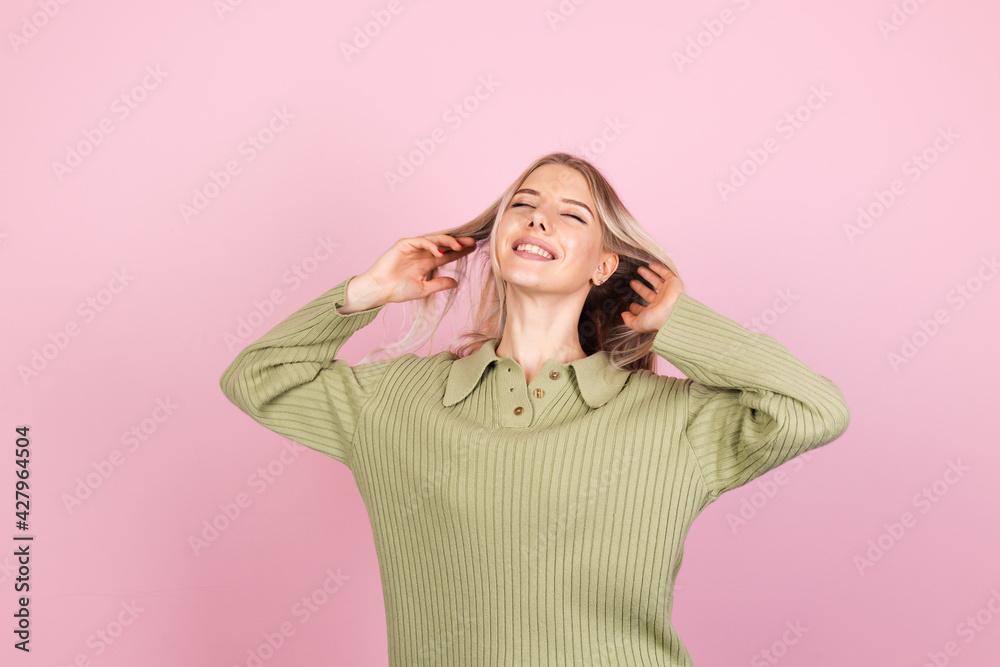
(530, 491)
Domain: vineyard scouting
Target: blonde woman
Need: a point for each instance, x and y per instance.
(530, 490)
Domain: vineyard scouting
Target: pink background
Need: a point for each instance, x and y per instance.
(604, 82)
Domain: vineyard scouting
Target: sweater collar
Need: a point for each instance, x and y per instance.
(596, 387)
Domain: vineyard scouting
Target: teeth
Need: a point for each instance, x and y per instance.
(527, 247)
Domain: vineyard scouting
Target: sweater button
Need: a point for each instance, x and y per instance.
(518, 410)
(539, 392)
(554, 375)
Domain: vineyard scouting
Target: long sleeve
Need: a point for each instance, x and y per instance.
(290, 382)
(751, 405)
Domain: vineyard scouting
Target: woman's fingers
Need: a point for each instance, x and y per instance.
(440, 283)
(656, 272)
(643, 291)
(456, 248)
(430, 245)
(448, 241)
(445, 248)
(663, 270)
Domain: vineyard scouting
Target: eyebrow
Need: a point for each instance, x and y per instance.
(568, 201)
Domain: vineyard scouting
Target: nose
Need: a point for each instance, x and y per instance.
(534, 220)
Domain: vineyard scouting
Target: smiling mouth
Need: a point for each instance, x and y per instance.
(528, 250)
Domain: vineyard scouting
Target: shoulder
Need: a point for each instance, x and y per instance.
(409, 365)
(644, 384)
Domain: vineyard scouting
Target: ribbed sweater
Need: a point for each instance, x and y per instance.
(541, 523)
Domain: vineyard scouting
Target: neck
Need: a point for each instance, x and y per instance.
(540, 327)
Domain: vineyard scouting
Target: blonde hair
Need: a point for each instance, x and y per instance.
(600, 326)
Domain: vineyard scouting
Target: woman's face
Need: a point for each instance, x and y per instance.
(554, 207)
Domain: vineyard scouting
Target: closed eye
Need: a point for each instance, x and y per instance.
(566, 214)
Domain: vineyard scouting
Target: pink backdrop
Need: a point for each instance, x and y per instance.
(179, 177)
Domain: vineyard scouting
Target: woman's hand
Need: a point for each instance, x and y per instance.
(400, 274)
(661, 299)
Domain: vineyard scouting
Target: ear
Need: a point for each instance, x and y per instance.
(607, 266)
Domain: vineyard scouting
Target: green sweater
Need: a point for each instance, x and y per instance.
(539, 524)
